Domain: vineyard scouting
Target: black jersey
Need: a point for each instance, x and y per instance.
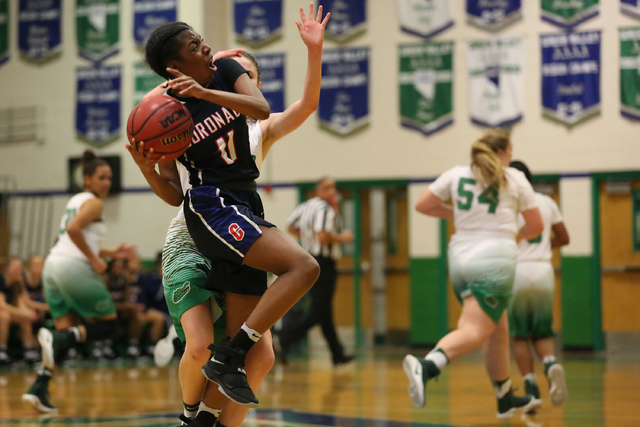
(220, 150)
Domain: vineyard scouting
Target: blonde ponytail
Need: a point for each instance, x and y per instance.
(487, 166)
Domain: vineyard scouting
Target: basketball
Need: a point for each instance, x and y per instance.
(164, 124)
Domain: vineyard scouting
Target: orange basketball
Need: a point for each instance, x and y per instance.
(164, 124)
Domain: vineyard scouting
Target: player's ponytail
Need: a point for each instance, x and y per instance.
(162, 47)
(90, 162)
(487, 166)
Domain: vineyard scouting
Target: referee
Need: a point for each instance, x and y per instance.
(316, 223)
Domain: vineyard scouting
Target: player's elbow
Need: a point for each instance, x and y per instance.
(264, 111)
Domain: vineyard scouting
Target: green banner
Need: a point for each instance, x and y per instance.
(4, 31)
(145, 80)
(426, 86)
(630, 72)
(98, 27)
(568, 13)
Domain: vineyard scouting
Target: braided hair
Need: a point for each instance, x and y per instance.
(162, 47)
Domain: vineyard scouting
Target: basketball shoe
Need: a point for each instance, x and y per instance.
(508, 404)
(38, 397)
(164, 349)
(226, 368)
(419, 371)
(557, 383)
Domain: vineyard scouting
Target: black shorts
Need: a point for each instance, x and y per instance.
(224, 224)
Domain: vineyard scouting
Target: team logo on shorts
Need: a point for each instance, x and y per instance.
(181, 292)
(491, 301)
(236, 231)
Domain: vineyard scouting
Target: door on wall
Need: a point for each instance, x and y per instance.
(372, 294)
(543, 185)
(620, 255)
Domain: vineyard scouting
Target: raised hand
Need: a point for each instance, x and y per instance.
(231, 53)
(312, 30)
(184, 85)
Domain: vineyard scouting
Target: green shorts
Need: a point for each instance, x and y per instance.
(484, 268)
(71, 286)
(531, 309)
(184, 274)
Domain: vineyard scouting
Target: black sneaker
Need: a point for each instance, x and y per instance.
(185, 421)
(226, 368)
(508, 404)
(38, 397)
(203, 419)
(343, 360)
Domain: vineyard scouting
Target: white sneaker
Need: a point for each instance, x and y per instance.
(164, 350)
(413, 369)
(557, 384)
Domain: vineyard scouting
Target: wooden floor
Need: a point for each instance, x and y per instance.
(604, 391)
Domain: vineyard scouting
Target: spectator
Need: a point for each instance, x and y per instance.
(14, 310)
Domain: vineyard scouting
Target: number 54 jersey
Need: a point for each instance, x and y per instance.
(485, 211)
(220, 150)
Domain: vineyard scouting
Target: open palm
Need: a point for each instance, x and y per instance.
(312, 30)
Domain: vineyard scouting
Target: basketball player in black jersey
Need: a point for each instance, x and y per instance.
(223, 211)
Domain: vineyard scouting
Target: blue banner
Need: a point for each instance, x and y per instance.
(98, 104)
(493, 15)
(272, 78)
(149, 15)
(630, 7)
(571, 76)
(348, 19)
(4, 31)
(39, 29)
(257, 22)
(344, 94)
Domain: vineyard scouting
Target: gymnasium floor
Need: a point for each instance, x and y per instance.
(604, 391)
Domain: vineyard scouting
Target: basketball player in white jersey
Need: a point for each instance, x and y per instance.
(192, 311)
(486, 198)
(531, 309)
(80, 304)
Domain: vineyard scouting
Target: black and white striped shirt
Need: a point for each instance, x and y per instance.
(311, 217)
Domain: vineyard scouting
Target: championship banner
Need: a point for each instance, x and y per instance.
(39, 29)
(630, 72)
(426, 86)
(344, 93)
(493, 15)
(568, 13)
(257, 22)
(149, 15)
(495, 81)
(630, 7)
(97, 26)
(145, 80)
(98, 104)
(272, 77)
(4, 31)
(571, 76)
(425, 18)
(348, 19)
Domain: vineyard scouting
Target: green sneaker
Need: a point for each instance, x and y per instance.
(38, 397)
(419, 371)
(557, 384)
(508, 404)
(530, 387)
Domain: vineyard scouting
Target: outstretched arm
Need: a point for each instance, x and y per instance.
(280, 124)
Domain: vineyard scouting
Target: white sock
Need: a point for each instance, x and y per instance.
(76, 332)
(438, 357)
(549, 360)
(531, 377)
(205, 408)
(253, 335)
